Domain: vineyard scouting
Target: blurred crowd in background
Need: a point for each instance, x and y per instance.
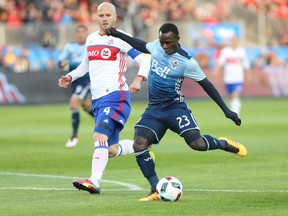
(40, 53)
(15, 12)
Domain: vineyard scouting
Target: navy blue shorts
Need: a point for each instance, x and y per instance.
(81, 87)
(82, 91)
(177, 117)
(111, 113)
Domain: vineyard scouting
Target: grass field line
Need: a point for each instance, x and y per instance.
(187, 190)
(55, 189)
(128, 186)
(124, 184)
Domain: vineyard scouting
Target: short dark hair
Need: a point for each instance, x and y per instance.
(81, 26)
(169, 27)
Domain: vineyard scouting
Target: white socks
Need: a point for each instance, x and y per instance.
(125, 147)
(236, 105)
(99, 161)
(101, 156)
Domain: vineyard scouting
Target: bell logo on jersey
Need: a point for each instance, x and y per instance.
(159, 70)
(102, 53)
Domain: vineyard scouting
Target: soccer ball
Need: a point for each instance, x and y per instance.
(169, 189)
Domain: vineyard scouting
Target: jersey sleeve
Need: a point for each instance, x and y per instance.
(64, 53)
(144, 62)
(193, 71)
(152, 46)
(83, 68)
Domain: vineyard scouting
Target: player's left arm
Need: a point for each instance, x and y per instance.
(194, 72)
(215, 95)
(134, 42)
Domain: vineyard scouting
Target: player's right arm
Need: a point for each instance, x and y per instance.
(134, 42)
(81, 70)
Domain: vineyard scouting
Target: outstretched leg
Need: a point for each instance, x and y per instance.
(206, 142)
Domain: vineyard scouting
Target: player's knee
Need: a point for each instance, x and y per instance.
(74, 103)
(113, 150)
(140, 143)
(198, 145)
(144, 137)
(99, 137)
(194, 139)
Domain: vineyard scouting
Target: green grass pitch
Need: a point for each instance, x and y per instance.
(36, 170)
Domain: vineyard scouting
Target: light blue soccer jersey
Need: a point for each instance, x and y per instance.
(73, 52)
(167, 73)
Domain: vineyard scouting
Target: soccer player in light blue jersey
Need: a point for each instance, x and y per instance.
(167, 109)
(70, 57)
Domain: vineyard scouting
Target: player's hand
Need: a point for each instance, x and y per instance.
(63, 64)
(111, 31)
(64, 81)
(135, 85)
(234, 117)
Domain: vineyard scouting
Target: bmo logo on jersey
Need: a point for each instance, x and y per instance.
(102, 53)
(159, 70)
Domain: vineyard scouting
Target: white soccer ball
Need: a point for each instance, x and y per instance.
(169, 189)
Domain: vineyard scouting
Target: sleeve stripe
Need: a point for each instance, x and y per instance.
(133, 53)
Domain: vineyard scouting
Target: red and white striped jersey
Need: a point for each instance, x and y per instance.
(105, 58)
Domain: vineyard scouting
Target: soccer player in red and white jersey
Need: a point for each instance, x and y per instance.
(105, 59)
(234, 60)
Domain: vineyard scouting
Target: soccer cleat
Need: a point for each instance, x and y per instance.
(86, 185)
(235, 147)
(71, 143)
(152, 197)
(151, 191)
(151, 153)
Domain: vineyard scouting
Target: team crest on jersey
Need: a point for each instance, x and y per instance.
(174, 64)
(106, 53)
